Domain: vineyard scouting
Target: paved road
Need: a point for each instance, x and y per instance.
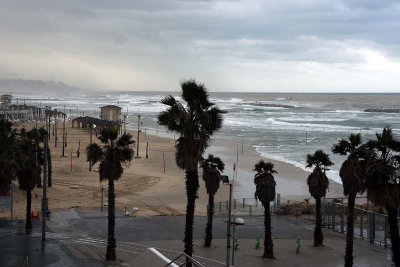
(78, 238)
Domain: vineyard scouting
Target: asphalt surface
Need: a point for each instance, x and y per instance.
(79, 238)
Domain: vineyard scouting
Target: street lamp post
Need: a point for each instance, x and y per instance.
(44, 198)
(225, 180)
(63, 143)
(125, 117)
(138, 135)
(234, 223)
(55, 128)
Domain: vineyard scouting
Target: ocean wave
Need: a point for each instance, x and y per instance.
(332, 174)
(351, 111)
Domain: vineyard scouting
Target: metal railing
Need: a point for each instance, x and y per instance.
(244, 206)
(368, 225)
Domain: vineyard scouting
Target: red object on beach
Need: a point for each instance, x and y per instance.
(35, 215)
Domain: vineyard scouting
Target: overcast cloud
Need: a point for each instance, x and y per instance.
(249, 45)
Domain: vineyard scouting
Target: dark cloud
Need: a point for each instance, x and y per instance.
(177, 38)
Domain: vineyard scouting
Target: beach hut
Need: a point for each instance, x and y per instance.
(88, 122)
(5, 99)
(110, 113)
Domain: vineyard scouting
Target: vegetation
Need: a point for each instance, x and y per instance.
(7, 157)
(382, 180)
(195, 123)
(28, 168)
(352, 174)
(111, 154)
(212, 168)
(318, 183)
(265, 192)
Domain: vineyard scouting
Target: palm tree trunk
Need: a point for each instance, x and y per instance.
(394, 234)
(318, 237)
(268, 244)
(111, 244)
(210, 214)
(28, 223)
(49, 170)
(348, 258)
(192, 185)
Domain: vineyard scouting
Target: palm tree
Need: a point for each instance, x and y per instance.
(382, 181)
(110, 155)
(28, 159)
(195, 123)
(7, 155)
(318, 183)
(265, 192)
(212, 168)
(351, 173)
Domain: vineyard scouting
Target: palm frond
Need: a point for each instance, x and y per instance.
(94, 153)
(168, 100)
(108, 135)
(319, 159)
(125, 140)
(195, 94)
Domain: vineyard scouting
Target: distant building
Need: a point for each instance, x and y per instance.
(110, 113)
(5, 99)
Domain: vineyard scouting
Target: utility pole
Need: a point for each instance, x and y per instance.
(55, 128)
(48, 109)
(125, 116)
(237, 151)
(138, 131)
(91, 127)
(44, 198)
(63, 144)
(228, 227)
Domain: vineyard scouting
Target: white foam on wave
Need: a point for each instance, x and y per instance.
(352, 111)
(232, 100)
(332, 174)
(315, 127)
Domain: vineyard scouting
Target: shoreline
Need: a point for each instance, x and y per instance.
(149, 185)
(291, 181)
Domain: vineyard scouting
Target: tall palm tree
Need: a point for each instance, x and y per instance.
(111, 154)
(212, 168)
(382, 181)
(351, 174)
(265, 192)
(28, 159)
(195, 122)
(7, 155)
(318, 183)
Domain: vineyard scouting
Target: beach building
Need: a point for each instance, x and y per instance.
(110, 113)
(88, 122)
(5, 100)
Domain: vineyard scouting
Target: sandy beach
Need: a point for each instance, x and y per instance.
(153, 185)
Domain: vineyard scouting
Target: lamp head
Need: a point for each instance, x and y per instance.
(238, 221)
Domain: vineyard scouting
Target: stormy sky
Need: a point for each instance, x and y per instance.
(249, 45)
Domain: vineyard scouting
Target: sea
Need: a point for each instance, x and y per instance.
(280, 126)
